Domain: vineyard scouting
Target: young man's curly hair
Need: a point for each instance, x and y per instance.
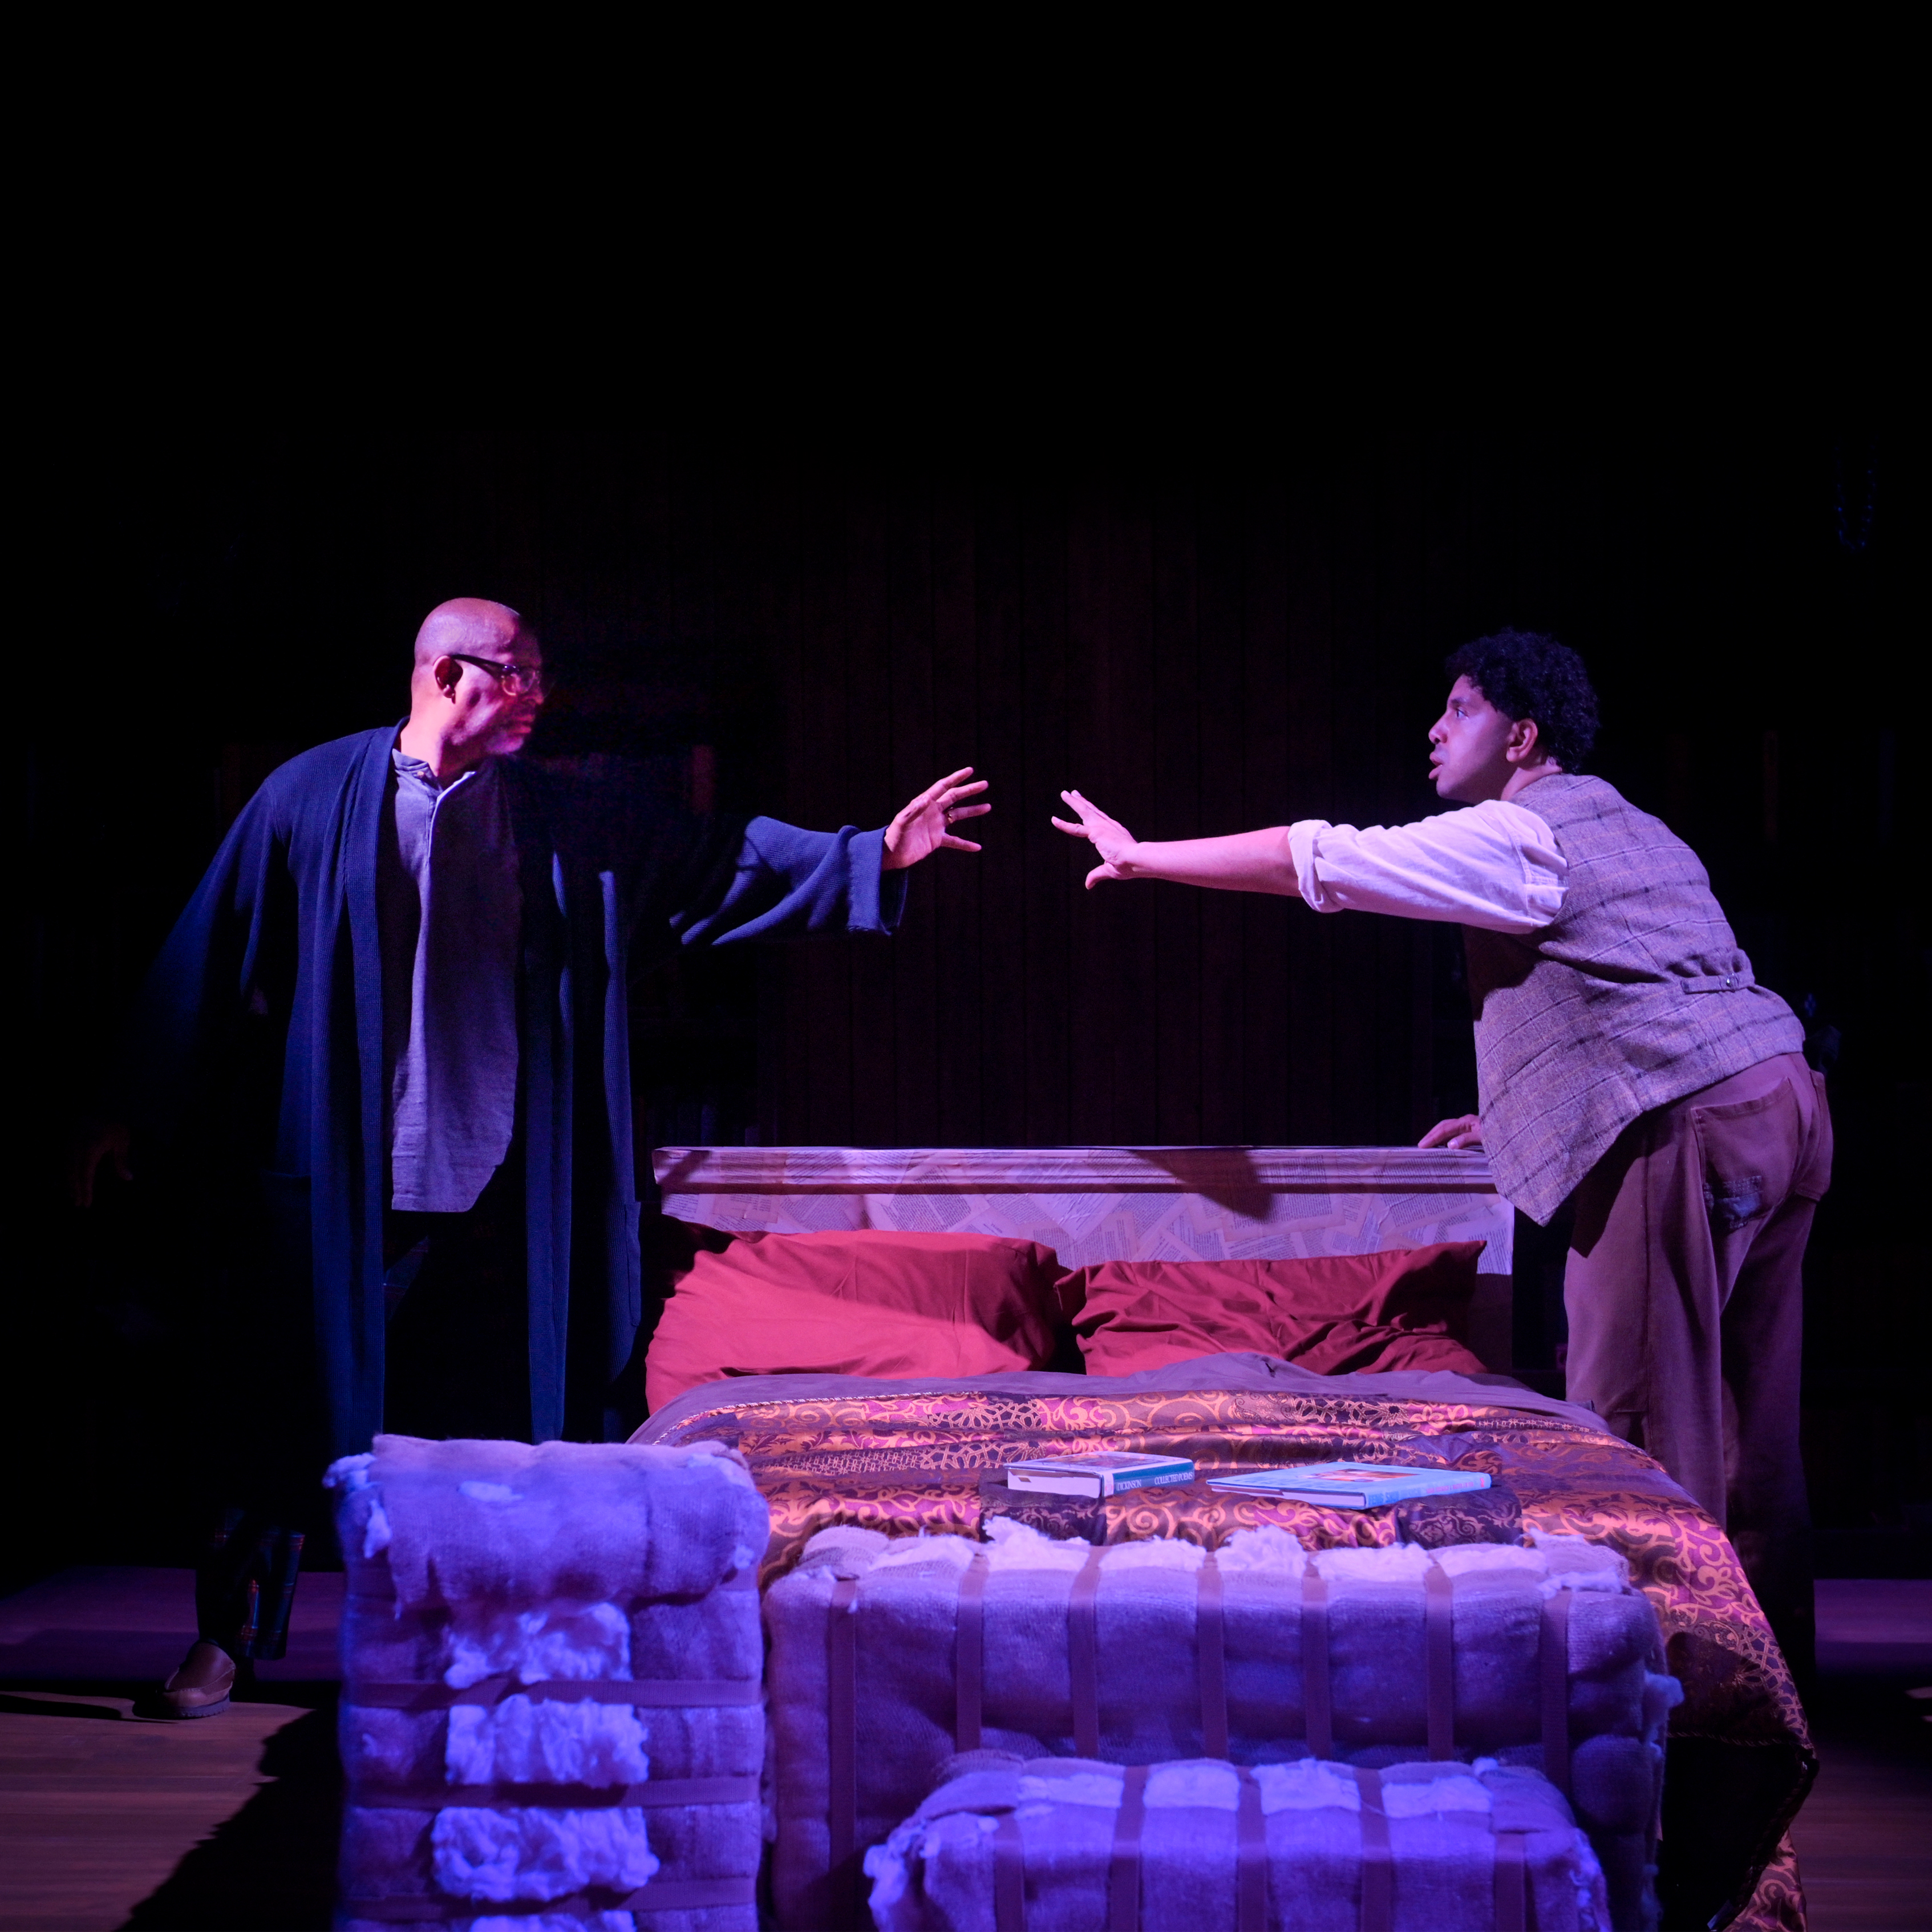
(1525, 674)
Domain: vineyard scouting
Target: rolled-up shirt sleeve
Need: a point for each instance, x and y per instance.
(1495, 865)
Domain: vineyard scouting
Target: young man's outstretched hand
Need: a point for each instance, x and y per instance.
(1110, 839)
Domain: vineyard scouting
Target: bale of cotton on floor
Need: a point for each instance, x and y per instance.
(1308, 1847)
(889, 1655)
(551, 1713)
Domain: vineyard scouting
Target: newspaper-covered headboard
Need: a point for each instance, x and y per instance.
(1091, 1204)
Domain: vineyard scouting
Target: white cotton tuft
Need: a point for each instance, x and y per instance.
(1204, 1784)
(1079, 1787)
(1461, 1558)
(1576, 1563)
(885, 1867)
(362, 1500)
(1268, 1547)
(1153, 1552)
(552, 1742)
(1402, 1563)
(845, 1550)
(525, 1854)
(349, 1473)
(1308, 1784)
(1011, 1545)
(1424, 1796)
(563, 1640)
(904, 1552)
(1577, 1556)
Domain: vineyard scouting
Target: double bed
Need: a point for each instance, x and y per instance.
(917, 1454)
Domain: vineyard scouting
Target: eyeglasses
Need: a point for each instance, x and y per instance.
(517, 680)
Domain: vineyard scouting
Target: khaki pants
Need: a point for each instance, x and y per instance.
(1685, 1294)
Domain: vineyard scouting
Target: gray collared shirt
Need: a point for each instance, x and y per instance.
(451, 919)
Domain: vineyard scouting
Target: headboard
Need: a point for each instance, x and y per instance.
(1093, 1204)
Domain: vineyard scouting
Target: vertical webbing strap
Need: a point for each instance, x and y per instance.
(1512, 1891)
(1555, 1667)
(969, 1660)
(1378, 1856)
(1251, 1870)
(1083, 1656)
(1439, 1660)
(1211, 1632)
(842, 1746)
(1315, 1700)
(1009, 1875)
(1124, 1865)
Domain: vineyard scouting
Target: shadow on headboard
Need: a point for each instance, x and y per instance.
(1092, 1204)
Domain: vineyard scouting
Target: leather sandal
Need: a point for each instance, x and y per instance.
(201, 1687)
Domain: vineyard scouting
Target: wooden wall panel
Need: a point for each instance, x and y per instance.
(1199, 653)
(1035, 1098)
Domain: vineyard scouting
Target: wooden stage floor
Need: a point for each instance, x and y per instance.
(229, 1825)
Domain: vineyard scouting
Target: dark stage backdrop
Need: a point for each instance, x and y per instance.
(1205, 634)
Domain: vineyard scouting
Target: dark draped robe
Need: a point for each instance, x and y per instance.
(259, 1035)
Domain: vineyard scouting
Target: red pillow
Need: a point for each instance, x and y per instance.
(862, 1302)
(1407, 1308)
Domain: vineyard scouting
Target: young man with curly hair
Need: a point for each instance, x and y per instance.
(1628, 1062)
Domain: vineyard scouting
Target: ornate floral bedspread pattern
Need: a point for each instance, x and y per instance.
(908, 1463)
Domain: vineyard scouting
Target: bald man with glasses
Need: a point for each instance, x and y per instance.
(398, 1004)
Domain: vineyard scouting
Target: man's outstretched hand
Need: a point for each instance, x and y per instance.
(1465, 1130)
(926, 824)
(1110, 839)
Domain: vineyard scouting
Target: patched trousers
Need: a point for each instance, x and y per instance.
(1684, 1292)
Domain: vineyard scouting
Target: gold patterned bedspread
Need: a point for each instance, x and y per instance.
(912, 1462)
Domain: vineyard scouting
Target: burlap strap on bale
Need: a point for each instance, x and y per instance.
(646, 1693)
(1211, 1628)
(1556, 1663)
(842, 1753)
(1512, 1890)
(1083, 1656)
(1378, 1856)
(1123, 1866)
(969, 1668)
(689, 1895)
(653, 1796)
(1439, 1660)
(1318, 1708)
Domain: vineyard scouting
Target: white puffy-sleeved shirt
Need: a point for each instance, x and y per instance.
(1495, 865)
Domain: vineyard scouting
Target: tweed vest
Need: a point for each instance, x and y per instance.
(1634, 996)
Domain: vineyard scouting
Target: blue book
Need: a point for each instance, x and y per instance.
(1108, 1473)
(1350, 1485)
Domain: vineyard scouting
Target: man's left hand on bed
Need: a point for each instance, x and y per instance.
(926, 824)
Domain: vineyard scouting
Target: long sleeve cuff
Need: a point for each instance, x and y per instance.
(1301, 836)
(878, 896)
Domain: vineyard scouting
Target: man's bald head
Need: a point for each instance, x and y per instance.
(476, 688)
(476, 625)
